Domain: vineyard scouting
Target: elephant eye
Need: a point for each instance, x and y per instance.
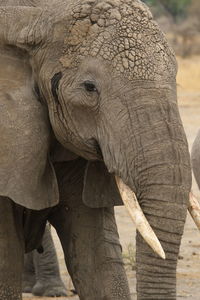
(90, 86)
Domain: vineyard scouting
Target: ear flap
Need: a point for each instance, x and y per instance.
(26, 174)
(21, 26)
(100, 189)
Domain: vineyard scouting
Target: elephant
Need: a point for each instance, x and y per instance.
(89, 120)
(195, 158)
(41, 275)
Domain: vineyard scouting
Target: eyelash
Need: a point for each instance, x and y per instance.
(90, 86)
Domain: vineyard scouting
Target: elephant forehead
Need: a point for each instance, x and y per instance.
(123, 33)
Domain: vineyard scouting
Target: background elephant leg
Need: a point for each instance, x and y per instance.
(11, 250)
(92, 252)
(29, 278)
(48, 279)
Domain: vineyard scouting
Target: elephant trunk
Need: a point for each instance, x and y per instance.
(160, 176)
(164, 201)
(163, 196)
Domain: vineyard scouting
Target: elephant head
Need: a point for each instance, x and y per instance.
(107, 76)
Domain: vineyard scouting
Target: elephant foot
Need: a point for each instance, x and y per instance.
(27, 288)
(50, 289)
(28, 283)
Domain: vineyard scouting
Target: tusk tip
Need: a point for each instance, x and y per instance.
(162, 254)
(158, 249)
(194, 209)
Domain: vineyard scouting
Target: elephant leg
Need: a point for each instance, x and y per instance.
(48, 279)
(29, 278)
(11, 250)
(92, 251)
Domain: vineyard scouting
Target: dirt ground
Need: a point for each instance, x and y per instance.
(188, 273)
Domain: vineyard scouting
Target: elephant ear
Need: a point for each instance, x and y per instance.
(100, 189)
(22, 26)
(26, 174)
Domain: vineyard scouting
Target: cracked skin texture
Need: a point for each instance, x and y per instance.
(124, 35)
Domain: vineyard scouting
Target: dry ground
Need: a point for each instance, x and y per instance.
(188, 274)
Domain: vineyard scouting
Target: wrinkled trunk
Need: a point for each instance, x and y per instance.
(164, 200)
(160, 176)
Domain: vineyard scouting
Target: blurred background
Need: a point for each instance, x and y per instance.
(180, 20)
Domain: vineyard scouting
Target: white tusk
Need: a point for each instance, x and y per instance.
(194, 209)
(131, 203)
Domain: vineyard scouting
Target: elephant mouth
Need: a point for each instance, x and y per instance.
(95, 149)
(142, 225)
(92, 152)
(90, 149)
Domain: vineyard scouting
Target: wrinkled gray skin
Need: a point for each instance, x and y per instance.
(195, 158)
(98, 77)
(41, 275)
